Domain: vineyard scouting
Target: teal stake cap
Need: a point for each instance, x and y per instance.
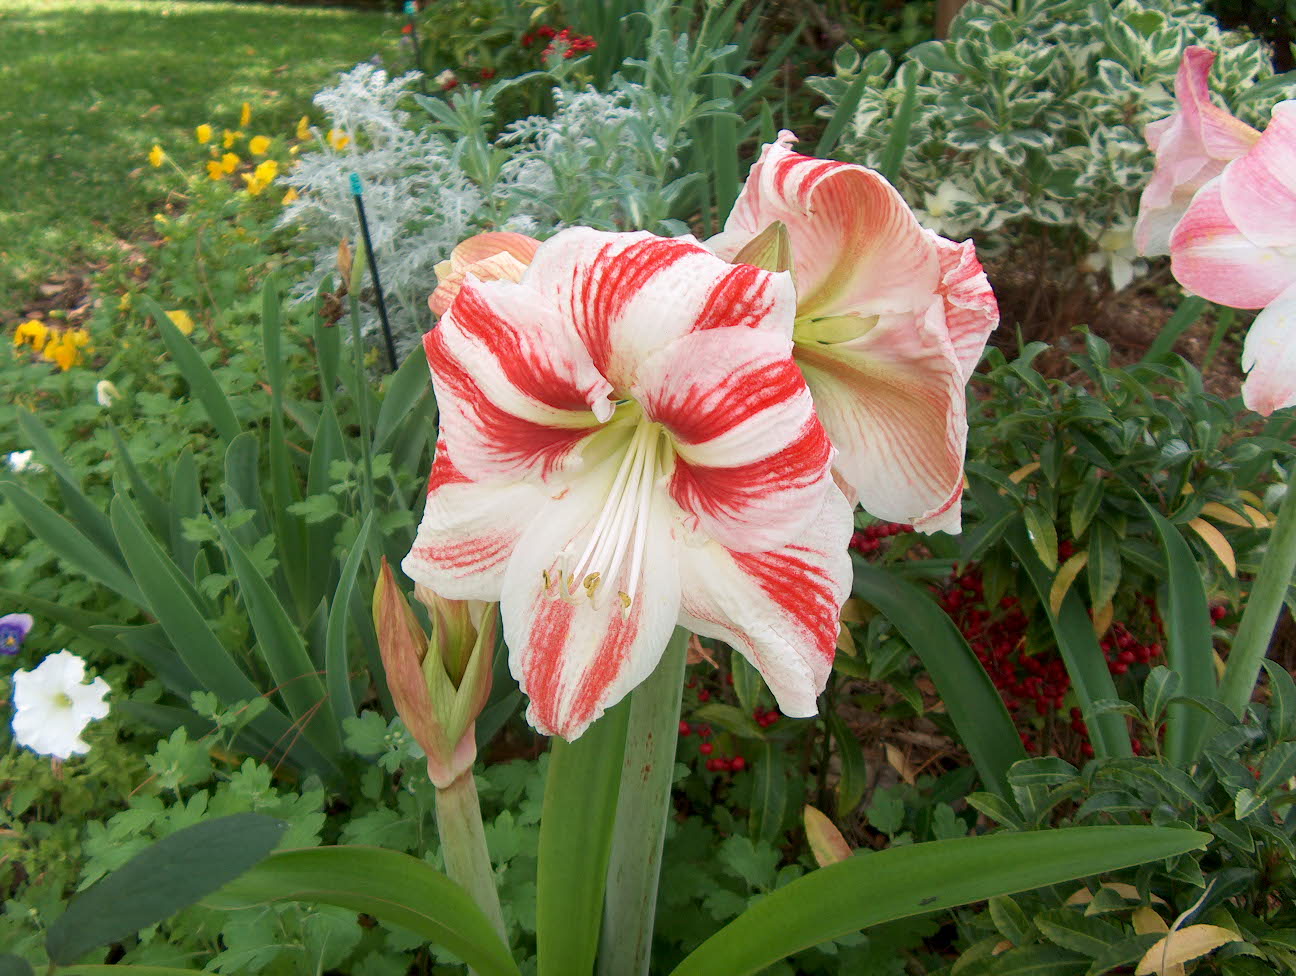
(409, 7)
(355, 184)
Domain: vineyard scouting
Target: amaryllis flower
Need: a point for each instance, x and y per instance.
(891, 320)
(1236, 245)
(627, 445)
(493, 256)
(53, 705)
(14, 628)
(1192, 147)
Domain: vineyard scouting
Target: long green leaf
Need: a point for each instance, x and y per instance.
(186, 503)
(165, 877)
(202, 381)
(155, 509)
(70, 544)
(41, 441)
(337, 662)
(282, 648)
(842, 114)
(118, 969)
(1189, 651)
(407, 386)
(970, 698)
(389, 885)
(1188, 312)
(871, 888)
(575, 843)
(901, 123)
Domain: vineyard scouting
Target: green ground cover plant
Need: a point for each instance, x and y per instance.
(76, 179)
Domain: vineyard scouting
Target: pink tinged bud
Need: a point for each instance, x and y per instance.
(493, 256)
(439, 685)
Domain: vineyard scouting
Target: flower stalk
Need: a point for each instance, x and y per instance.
(643, 806)
(1262, 608)
(463, 847)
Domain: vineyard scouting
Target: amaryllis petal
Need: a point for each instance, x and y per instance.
(1258, 190)
(577, 650)
(779, 609)
(893, 404)
(1192, 147)
(856, 245)
(517, 390)
(751, 457)
(1211, 257)
(971, 309)
(468, 532)
(1269, 356)
(614, 288)
(493, 256)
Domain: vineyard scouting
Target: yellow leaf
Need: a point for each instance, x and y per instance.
(846, 641)
(1065, 577)
(1102, 619)
(1258, 518)
(1250, 496)
(1184, 945)
(1127, 891)
(855, 611)
(1222, 513)
(1214, 538)
(896, 759)
(826, 842)
(1025, 471)
(1146, 921)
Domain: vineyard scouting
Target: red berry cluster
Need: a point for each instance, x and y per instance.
(869, 539)
(1120, 648)
(714, 763)
(570, 44)
(765, 718)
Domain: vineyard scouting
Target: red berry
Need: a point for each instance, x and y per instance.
(684, 728)
(1218, 613)
(1137, 746)
(706, 748)
(729, 679)
(737, 764)
(714, 765)
(1087, 750)
(1125, 657)
(704, 695)
(1120, 667)
(691, 683)
(704, 732)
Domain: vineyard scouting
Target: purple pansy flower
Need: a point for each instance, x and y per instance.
(13, 631)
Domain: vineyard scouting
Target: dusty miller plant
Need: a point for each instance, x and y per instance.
(1028, 121)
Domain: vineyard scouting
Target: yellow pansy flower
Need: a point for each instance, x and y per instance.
(156, 155)
(267, 171)
(64, 349)
(290, 196)
(229, 138)
(215, 170)
(229, 162)
(338, 139)
(245, 116)
(259, 145)
(124, 303)
(31, 333)
(203, 133)
(303, 128)
(181, 320)
(254, 185)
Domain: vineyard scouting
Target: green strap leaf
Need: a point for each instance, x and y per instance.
(11, 965)
(871, 888)
(395, 887)
(973, 704)
(337, 662)
(165, 877)
(1189, 652)
(576, 842)
(202, 381)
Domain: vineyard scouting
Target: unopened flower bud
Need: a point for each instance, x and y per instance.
(439, 684)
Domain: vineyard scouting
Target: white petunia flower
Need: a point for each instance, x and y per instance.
(53, 705)
(106, 392)
(22, 461)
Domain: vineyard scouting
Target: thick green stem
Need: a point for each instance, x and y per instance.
(1262, 608)
(642, 809)
(463, 847)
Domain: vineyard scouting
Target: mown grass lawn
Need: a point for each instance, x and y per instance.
(88, 86)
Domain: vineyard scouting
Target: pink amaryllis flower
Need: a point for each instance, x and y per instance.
(1192, 147)
(627, 446)
(891, 320)
(1236, 245)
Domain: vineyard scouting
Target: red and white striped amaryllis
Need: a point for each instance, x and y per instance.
(1236, 245)
(891, 320)
(1192, 147)
(626, 445)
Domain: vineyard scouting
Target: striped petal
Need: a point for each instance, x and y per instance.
(752, 460)
(856, 245)
(469, 530)
(1269, 357)
(517, 391)
(1259, 189)
(1211, 257)
(893, 403)
(628, 295)
(1192, 147)
(971, 309)
(576, 655)
(493, 256)
(779, 609)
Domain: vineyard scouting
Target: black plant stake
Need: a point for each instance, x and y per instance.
(373, 269)
(411, 29)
